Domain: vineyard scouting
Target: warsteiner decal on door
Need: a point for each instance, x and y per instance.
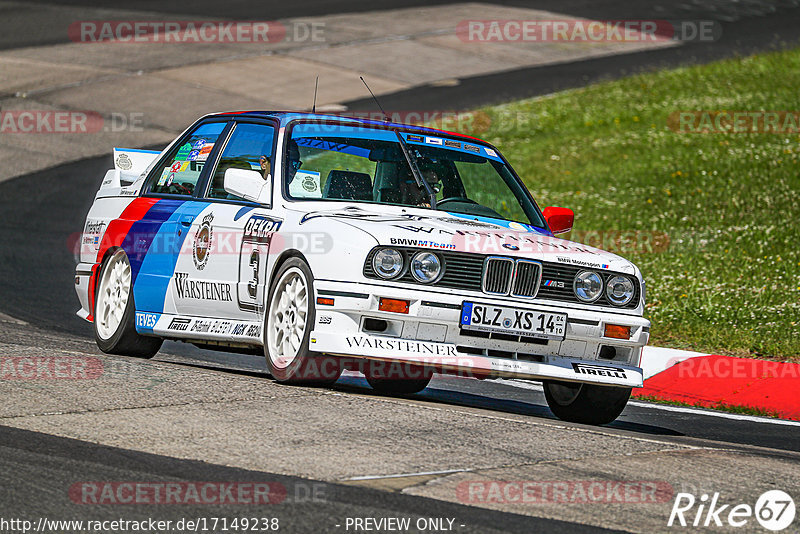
(185, 288)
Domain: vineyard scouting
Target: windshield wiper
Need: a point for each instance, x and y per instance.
(422, 183)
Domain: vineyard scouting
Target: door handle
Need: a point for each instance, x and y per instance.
(187, 220)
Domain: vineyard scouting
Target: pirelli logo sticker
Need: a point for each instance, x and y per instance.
(598, 370)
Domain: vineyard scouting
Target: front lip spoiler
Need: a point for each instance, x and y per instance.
(447, 358)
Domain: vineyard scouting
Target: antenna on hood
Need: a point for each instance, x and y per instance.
(385, 116)
(314, 105)
(412, 161)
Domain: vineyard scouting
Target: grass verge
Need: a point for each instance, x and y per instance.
(710, 218)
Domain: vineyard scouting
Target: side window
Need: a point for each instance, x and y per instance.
(250, 148)
(330, 170)
(185, 163)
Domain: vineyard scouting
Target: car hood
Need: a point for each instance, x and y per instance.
(444, 231)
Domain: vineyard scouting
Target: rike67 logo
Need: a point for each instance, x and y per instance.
(774, 510)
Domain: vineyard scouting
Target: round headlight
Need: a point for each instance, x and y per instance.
(619, 290)
(387, 263)
(426, 267)
(588, 286)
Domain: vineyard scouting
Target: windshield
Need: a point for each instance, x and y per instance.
(342, 162)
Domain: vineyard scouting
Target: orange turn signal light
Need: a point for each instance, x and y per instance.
(617, 331)
(324, 301)
(393, 305)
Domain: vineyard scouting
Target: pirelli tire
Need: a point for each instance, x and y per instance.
(289, 320)
(585, 403)
(115, 311)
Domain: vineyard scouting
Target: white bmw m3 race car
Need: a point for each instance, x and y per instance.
(327, 243)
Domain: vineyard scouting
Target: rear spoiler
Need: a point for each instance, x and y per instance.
(129, 165)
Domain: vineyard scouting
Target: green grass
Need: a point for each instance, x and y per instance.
(729, 280)
(730, 408)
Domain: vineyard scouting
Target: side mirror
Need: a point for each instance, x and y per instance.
(559, 220)
(245, 183)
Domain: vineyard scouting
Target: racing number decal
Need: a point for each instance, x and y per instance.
(252, 285)
(256, 239)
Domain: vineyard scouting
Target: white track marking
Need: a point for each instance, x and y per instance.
(404, 475)
(667, 408)
(715, 413)
(8, 319)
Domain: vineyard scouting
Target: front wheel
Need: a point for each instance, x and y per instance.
(289, 321)
(114, 312)
(585, 403)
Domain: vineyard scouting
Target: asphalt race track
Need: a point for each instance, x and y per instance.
(61, 459)
(374, 457)
(37, 265)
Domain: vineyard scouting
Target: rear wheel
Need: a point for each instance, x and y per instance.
(411, 379)
(114, 313)
(585, 403)
(290, 318)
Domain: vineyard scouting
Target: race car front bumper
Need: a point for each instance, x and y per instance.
(431, 334)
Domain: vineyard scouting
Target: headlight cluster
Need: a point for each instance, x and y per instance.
(387, 263)
(619, 290)
(589, 286)
(425, 267)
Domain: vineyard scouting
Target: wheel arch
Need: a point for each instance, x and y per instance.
(96, 271)
(285, 256)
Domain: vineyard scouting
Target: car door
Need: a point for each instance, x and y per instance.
(154, 243)
(222, 272)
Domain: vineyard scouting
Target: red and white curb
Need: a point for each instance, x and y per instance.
(712, 380)
(658, 359)
(708, 380)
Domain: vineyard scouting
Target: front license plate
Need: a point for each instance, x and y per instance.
(506, 320)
